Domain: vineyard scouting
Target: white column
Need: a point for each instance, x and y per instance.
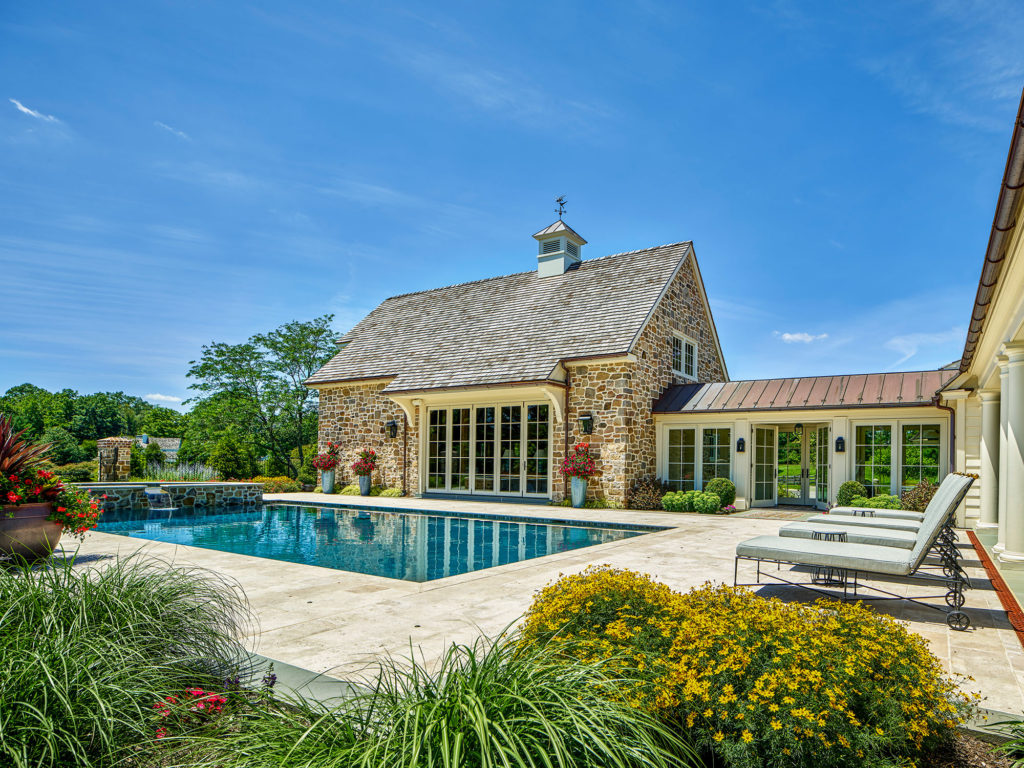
(1004, 399)
(1013, 555)
(989, 461)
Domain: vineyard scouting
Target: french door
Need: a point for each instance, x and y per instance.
(490, 449)
(803, 465)
(764, 467)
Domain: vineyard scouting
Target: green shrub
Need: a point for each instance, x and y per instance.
(707, 503)
(278, 484)
(760, 682)
(307, 476)
(598, 503)
(918, 497)
(481, 706)
(352, 489)
(646, 493)
(882, 501)
(232, 458)
(86, 652)
(672, 501)
(154, 454)
(724, 488)
(137, 461)
(848, 490)
(392, 493)
(81, 472)
(64, 449)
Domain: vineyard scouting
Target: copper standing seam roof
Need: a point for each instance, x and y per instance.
(873, 390)
(1002, 224)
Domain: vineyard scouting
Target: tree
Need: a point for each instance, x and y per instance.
(154, 454)
(162, 422)
(64, 449)
(231, 458)
(263, 377)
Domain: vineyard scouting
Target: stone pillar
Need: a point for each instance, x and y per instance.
(1013, 555)
(1004, 399)
(115, 455)
(990, 480)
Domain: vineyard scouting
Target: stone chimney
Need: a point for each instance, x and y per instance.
(558, 249)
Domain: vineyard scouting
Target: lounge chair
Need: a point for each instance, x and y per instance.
(886, 514)
(851, 558)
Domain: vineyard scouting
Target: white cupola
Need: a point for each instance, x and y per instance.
(558, 249)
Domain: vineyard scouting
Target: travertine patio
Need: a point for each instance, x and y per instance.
(334, 621)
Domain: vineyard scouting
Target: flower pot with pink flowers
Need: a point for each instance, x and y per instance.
(579, 466)
(327, 462)
(363, 469)
(36, 508)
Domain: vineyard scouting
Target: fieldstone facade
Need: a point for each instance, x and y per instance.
(618, 393)
(353, 416)
(115, 455)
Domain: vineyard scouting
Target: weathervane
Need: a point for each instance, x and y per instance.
(561, 205)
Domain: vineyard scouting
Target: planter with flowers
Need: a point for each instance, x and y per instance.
(579, 465)
(363, 469)
(36, 508)
(326, 463)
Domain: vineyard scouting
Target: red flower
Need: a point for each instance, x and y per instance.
(62, 509)
(13, 497)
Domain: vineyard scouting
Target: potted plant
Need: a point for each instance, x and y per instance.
(579, 465)
(363, 469)
(326, 462)
(36, 508)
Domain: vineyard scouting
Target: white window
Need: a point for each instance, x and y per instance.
(690, 465)
(893, 457)
(684, 356)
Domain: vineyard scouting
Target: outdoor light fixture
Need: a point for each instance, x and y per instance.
(391, 428)
(840, 445)
(799, 427)
(586, 424)
(741, 445)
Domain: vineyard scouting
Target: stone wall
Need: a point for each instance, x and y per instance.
(115, 455)
(122, 496)
(353, 416)
(621, 395)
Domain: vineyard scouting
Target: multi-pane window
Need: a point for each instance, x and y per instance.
(716, 453)
(460, 449)
(682, 459)
(483, 479)
(511, 447)
(684, 357)
(873, 458)
(920, 454)
(537, 449)
(437, 449)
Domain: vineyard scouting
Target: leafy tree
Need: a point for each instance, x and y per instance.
(137, 461)
(64, 449)
(231, 458)
(162, 422)
(263, 377)
(154, 454)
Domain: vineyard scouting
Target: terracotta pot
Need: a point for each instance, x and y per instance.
(28, 534)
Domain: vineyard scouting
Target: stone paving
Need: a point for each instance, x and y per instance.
(335, 621)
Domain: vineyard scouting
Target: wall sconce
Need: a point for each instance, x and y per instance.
(741, 445)
(391, 428)
(840, 445)
(586, 424)
(799, 427)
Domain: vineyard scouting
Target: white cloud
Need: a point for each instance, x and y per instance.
(32, 113)
(801, 337)
(156, 396)
(175, 131)
(910, 344)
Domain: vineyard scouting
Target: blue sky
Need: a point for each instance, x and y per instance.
(177, 173)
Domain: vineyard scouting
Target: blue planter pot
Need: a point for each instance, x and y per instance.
(327, 480)
(579, 492)
(364, 485)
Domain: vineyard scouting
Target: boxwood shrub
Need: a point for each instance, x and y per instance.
(724, 488)
(758, 682)
(707, 503)
(848, 490)
(882, 501)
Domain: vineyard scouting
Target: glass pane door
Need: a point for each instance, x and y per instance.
(483, 469)
(821, 460)
(437, 450)
(510, 466)
(764, 466)
(810, 469)
(537, 449)
(460, 450)
(790, 458)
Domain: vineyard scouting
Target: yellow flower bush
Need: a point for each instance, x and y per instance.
(761, 682)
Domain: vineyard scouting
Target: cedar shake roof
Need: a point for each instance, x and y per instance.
(870, 390)
(506, 330)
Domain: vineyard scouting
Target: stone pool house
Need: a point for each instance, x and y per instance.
(479, 389)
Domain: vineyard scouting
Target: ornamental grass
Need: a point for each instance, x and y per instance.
(756, 682)
(86, 651)
(494, 704)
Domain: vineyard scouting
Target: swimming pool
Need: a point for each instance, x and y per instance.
(396, 544)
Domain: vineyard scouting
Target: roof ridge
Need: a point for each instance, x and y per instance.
(826, 376)
(531, 271)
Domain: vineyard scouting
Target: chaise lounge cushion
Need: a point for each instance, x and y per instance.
(894, 561)
(888, 514)
(855, 534)
(866, 522)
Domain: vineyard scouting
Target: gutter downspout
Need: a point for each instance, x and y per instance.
(952, 431)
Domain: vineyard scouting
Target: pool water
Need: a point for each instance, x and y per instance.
(414, 546)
